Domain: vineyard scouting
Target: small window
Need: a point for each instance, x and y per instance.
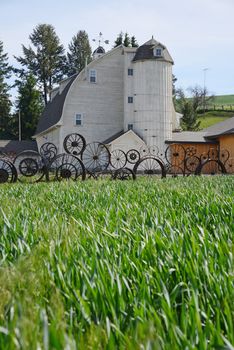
(79, 119)
(92, 76)
(130, 99)
(130, 71)
(130, 126)
(158, 52)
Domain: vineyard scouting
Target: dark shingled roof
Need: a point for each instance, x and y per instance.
(53, 110)
(13, 146)
(146, 51)
(189, 137)
(113, 137)
(223, 128)
(100, 49)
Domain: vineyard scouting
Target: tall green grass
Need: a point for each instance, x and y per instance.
(108, 265)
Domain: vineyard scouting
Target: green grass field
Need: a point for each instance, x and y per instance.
(118, 265)
(212, 117)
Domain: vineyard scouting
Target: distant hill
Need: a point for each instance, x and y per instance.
(212, 117)
(222, 102)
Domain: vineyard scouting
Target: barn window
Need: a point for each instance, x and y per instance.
(158, 52)
(130, 71)
(130, 126)
(79, 119)
(130, 99)
(92, 76)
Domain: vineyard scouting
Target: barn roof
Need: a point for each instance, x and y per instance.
(189, 137)
(146, 51)
(223, 128)
(53, 110)
(16, 147)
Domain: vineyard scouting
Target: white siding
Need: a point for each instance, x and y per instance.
(101, 103)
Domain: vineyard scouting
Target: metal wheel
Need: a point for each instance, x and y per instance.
(67, 167)
(124, 174)
(191, 151)
(118, 159)
(30, 166)
(213, 154)
(7, 172)
(175, 154)
(229, 165)
(154, 151)
(224, 155)
(144, 151)
(149, 166)
(48, 151)
(96, 157)
(211, 167)
(74, 144)
(191, 163)
(133, 156)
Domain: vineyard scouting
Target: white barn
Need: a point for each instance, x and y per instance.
(123, 98)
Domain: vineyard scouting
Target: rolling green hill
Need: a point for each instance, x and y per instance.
(212, 117)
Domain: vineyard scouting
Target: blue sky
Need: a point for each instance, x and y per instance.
(198, 33)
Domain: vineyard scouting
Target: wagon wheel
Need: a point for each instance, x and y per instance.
(229, 165)
(124, 174)
(96, 157)
(191, 151)
(149, 166)
(118, 159)
(133, 156)
(175, 154)
(175, 170)
(203, 157)
(191, 163)
(153, 151)
(224, 155)
(144, 151)
(7, 172)
(66, 167)
(74, 144)
(48, 151)
(30, 166)
(211, 167)
(213, 154)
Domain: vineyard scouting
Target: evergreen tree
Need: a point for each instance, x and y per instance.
(188, 108)
(134, 42)
(119, 39)
(46, 61)
(29, 105)
(79, 52)
(127, 41)
(124, 39)
(5, 103)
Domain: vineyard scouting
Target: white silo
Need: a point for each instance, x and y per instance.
(152, 103)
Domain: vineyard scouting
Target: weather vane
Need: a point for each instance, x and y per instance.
(100, 40)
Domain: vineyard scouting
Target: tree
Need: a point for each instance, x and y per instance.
(127, 40)
(29, 105)
(46, 61)
(80, 53)
(124, 39)
(134, 42)
(5, 103)
(119, 39)
(187, 107)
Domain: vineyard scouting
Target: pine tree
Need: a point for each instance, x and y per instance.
(134, 42)
(119, 39)
(127, 41)
(46, 61)
(188, 108)
(79, 53)
(5, 103)
(29, 105)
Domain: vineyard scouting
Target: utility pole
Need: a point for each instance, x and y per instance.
(19, 126)
(204, 90)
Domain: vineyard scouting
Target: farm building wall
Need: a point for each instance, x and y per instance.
(99, 103)
(227, 143)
